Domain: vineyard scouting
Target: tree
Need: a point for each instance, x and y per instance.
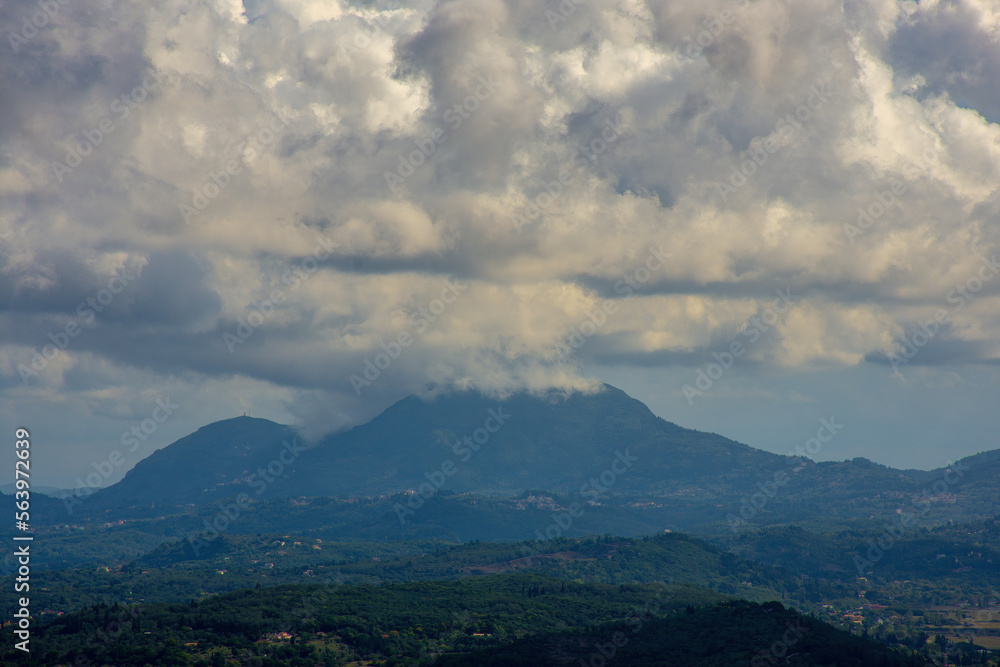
(942, 641)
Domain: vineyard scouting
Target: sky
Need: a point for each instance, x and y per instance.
(749, 214)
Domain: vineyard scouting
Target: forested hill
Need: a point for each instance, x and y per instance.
(514, 619)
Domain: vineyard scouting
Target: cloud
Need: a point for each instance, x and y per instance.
(746, 138)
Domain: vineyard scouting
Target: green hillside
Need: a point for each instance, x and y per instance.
(398, 624)
(732, 633)
(513, 619)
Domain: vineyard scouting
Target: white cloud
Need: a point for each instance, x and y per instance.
(229, 69)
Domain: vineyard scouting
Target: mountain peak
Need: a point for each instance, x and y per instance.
(555, 440)
(243, 421)
(202, 465)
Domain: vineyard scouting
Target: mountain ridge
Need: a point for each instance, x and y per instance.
(602, 447)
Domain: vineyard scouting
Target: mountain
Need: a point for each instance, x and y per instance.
(601, 449)
(215, 461)
(554, 442)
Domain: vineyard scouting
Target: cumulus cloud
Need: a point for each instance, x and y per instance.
(319, 175)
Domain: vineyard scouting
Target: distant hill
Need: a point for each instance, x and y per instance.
(51, 491)
(213, 462)
(173, 573)
(968, 553)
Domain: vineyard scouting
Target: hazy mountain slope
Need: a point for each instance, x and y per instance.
(554, 442)
(214, 461)
(604, 447)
